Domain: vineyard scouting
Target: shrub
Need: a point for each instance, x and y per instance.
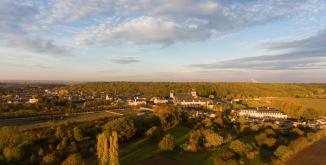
(297, 132)
(167, 143)
(12, 153)
(263, 140)
(195, 140)
(49, 159)
(73, 159)
(78, 135)
(282, 152)
(155, 133)
(238, 147)
(212, 139)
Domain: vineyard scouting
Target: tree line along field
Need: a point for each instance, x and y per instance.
(294, 107)
(203, 88)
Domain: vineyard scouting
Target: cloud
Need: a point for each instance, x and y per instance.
(124, 60)
(313, 46)
(303, 54)
(15, 17)
(147, 30)
(36, 44)
(19, 28)
(167, 22)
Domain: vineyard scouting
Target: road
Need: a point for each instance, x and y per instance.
(53, 120)
(313, 155)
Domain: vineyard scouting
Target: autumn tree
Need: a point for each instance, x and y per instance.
(123, 126)
(114, 149)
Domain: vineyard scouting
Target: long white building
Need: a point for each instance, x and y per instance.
(261, 113)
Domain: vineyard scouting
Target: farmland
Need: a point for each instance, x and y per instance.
(294, 107)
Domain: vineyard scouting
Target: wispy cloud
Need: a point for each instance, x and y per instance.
(20, 26)
(124, 59)
(307, 53)
(171, 21)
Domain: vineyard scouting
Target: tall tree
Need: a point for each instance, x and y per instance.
(114, 149)
(102, 149)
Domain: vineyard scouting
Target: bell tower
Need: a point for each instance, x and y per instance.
(193, 93)
(171, 94)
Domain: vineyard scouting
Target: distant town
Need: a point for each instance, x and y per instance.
(169, 121)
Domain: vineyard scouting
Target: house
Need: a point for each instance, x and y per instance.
(33, 101)
(159, 100)
(136, 101)
(261, 113)
(190, 100)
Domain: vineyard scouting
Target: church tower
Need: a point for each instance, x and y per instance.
(193, 93)
(171, 94)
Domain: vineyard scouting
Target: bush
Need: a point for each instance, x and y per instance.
(282, 152)
(195, 140)
(10, 137)
(124, 127)
(73, 159)
(297, 132)
(155, 133)
(263, 140)
(212, 139)
(78, 135)
(12, 153)
(238, 147)
(49, 159)
(167, 143)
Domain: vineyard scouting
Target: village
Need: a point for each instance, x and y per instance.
(196, 106)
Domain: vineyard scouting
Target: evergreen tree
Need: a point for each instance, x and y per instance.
(102, 149)
(114, 149)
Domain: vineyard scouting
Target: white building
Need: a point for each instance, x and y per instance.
(261, 113)
(158, 100)
(33, 101)
(136, 101)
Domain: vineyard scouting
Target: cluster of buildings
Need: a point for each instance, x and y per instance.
(185, 100)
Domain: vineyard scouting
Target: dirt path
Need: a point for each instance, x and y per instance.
(313, 155)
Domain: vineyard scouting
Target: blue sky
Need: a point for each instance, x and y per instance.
(170, 40)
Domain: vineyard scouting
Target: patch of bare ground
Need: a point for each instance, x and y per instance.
(162, 161)
(312, 155)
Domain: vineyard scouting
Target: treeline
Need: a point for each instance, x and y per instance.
(233, 90)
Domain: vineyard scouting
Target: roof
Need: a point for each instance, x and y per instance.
(190, 98)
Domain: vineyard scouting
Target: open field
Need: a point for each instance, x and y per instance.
(135, 152)
(30, 123)
(313, 155)
(292, 106)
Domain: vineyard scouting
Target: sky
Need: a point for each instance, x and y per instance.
(163, 40)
